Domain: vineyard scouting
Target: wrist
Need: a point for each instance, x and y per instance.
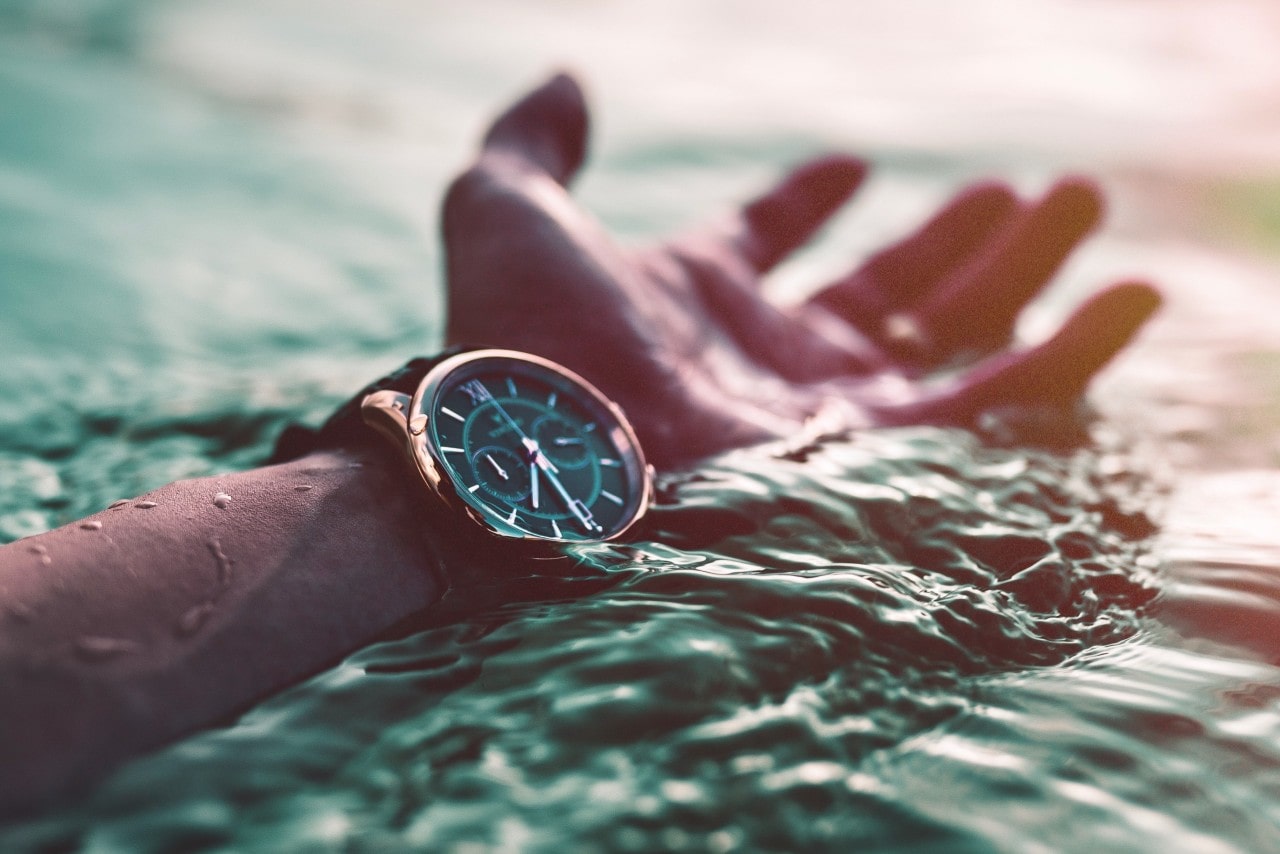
(503, 447)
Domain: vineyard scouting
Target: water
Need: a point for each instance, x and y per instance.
(915, 639)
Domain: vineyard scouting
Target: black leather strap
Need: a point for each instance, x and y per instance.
(345, 428)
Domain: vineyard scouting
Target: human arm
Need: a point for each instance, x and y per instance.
(129, 628)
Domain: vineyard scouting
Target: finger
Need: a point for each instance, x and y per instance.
(895, 277)
(546, 129)
(781, 220)
(1057, 371)
(977, 309)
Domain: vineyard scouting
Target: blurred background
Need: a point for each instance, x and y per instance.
(236, 201)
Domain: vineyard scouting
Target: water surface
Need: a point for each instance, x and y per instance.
(218, 218)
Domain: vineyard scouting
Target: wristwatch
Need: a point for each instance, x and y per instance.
(510, 442)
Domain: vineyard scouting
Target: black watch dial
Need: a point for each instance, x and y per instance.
(532, 447)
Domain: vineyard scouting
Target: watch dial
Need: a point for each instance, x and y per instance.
(533, 448)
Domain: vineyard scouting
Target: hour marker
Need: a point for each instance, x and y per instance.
(473, 487)
(447, 411)
(449, 450)
(511, 520)
(551, 401)
(587, 428)
(613, 464)
(609, 495)
(556, 528)
(511, 387)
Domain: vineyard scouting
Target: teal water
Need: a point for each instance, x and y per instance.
(218, 218)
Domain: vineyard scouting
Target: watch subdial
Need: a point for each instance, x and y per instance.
(502, 473)
(562, 442)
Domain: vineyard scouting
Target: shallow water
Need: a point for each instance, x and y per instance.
(213, 221)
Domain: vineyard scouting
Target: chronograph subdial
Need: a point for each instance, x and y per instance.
(562, 441)
(502, 473)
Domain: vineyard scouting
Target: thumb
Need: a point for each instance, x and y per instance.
(547, 129)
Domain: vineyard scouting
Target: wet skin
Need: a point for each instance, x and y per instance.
(117, 637)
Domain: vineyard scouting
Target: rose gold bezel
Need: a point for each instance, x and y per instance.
(412, 417)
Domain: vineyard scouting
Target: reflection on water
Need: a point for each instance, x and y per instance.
(211, 221)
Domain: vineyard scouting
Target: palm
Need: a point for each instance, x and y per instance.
(681, 335)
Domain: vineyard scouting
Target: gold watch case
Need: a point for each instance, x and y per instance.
(453, 403)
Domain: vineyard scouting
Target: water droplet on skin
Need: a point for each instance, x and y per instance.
(191, 621)
(221, 500)
(91, 526)
(224, 562)
(93, 648)
(303, 488)
(39, 549)
(145, 505)
(117, 504)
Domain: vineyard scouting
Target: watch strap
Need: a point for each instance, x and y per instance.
(345, 428)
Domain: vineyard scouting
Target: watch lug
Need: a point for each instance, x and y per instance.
(388, 412)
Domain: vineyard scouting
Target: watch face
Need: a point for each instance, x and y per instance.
(532, 448)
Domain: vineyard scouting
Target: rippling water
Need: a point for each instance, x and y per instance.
(915, 639)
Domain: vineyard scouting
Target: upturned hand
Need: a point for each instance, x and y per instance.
(682, 336)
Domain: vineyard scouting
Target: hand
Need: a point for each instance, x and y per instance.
(682, 337)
